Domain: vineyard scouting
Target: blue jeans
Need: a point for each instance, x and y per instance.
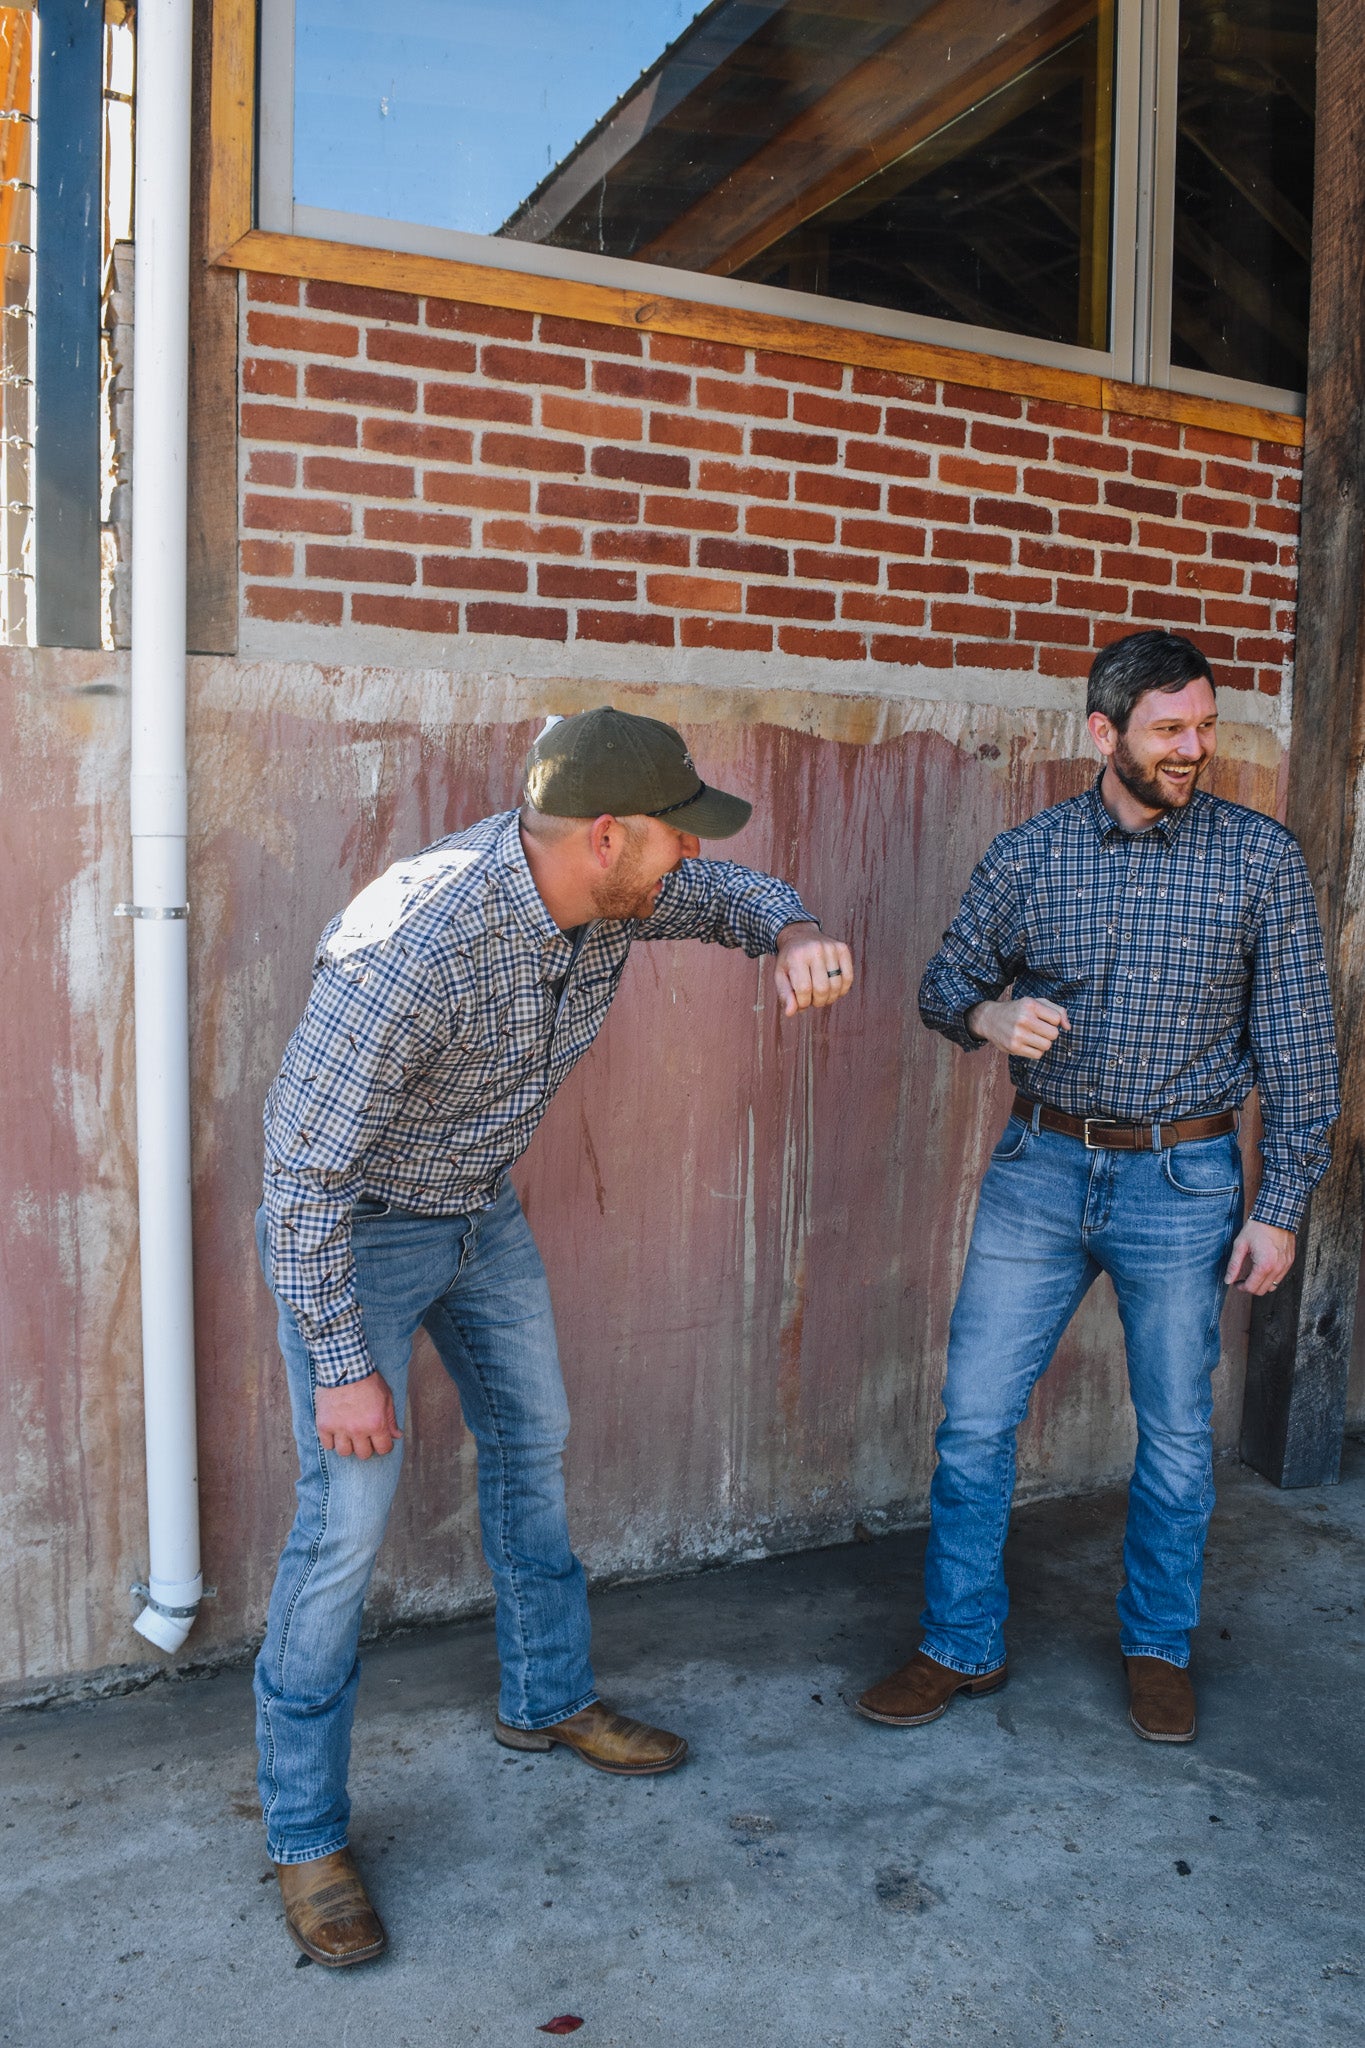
(1051, 1218)
(477, 1286)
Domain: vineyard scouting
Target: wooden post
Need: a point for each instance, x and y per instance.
(1300, 1350)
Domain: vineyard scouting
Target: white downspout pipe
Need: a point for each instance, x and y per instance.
(161, 280)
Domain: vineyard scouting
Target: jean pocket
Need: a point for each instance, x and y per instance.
(1012, 1140)
(1209, 1166)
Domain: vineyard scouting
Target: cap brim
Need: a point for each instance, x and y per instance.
(715, 814)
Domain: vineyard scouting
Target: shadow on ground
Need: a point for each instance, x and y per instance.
(1024, 1871)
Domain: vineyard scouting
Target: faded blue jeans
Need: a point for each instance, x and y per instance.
(1051, 1218)
(477, 1286)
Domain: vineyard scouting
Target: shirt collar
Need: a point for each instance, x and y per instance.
(1165, 829)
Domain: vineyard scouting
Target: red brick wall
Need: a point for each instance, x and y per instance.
(446, 468)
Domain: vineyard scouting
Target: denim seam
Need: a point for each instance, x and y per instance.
(310, 1565)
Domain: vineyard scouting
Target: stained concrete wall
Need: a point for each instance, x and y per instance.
(753, 1228)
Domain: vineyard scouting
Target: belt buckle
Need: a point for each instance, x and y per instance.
(1093, 1145)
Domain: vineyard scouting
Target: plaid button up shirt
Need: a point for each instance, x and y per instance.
(1188, 958)
(446, 1009)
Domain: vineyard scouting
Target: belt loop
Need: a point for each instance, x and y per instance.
(1036, 1119)
(1156, 1137)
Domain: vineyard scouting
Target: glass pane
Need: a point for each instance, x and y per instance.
(942, 157)
(1244, 189)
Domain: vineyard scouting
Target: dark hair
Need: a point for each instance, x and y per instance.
(1128, 668)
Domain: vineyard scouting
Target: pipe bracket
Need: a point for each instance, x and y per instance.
(151, 910)
(173, 1613)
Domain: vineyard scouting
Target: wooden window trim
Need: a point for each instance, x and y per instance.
(236, 243)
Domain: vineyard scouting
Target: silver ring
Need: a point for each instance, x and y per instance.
(835, 973)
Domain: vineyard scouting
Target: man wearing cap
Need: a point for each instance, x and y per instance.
(448, 1004)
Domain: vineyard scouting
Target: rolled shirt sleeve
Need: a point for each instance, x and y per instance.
(724, 904)
(981, 953)
(1293, 1042)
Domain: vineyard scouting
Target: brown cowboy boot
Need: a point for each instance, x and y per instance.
(922, 1690)
(327, 1913)
(1161, 1700)
(606, 1740)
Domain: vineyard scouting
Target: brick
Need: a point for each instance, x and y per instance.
(1013, 589)
(1263, 585)
(530, 622)
(267, 558)
(1062, 486)
(928, 576)
(970, 475)
(695, 593)
(991, 437)
(982, 621)
(475, 572)
(363, 300)
(638, 380)
(1057, 558)
(301, 607)
(1088, 451)
(1277, 519)
(1243, 547)
(875, 608)
(825, 646)
(1017, 515)
(267, 377)
(1162, 504)
(1063, 661)
(524, 451)
(1205, 511)
(834, 488)
(685, 430)
(519, 536)
(1158, 466)
(1218, 646)
(1268, 680)
(708, 515)
(1279, 455)
(1115, 528)
(940, 429)
(1252, 647)
(417, 438)
(743, 558)
(755, 401)
(790, 369)
(894, 384)
(483, 493)
(825, 566)
(840, 415)
(600, 586)
(923, 651)
(745, 482)
(639, 466)
(360, 565)
(289, 423)
(1127, 426)
(1221, 576)
(1167, 608)
(478, 402)
(737, 636)
(407, 614)
(781, 445)
(1052, 627)
(587, 501)
(325, 382)
(452, 316)
(883, 535)
(1071, 419)
(1091, 596)
(360, 479)
(311, 337)
(994, 654)
(272, 466)
(419, 529)
(973, 546)
(783, 522)
(626, 629)
(937, 508)
(539, 366)
(1253, 616)
(888, 459)
(1233, 447)
(296, 515)
(263, 289)
(591, 419)
(786, 601)
(670, 550)
(590, 334)
(1003, 404)
(1289, 490)
(1173, 540)
(1129, 567)
(702, 355)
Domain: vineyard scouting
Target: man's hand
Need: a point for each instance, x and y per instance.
(357, 1420)
(812, 971)
(1027, 1028)
(1261, 1256)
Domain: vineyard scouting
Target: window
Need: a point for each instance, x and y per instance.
(975, 172)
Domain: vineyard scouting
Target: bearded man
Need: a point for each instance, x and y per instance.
(1164, 954)
(448, 1004)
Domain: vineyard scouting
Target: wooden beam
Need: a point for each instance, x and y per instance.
(211, 590)
(1300, 1351)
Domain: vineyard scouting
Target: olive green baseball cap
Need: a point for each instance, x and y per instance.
(615, 762)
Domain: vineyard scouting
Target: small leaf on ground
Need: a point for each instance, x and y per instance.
(565, 2023)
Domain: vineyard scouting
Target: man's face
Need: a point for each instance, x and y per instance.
(650, 849)
(1170, 739)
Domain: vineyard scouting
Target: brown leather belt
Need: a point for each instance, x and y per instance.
(1102, 1134)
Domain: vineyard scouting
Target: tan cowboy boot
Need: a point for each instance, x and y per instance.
(606, 1740)
(1161, 1700)
(922, 1690)
(327, 1913)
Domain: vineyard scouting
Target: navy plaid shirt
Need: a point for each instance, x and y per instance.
(1188, 958)
(446, 1009)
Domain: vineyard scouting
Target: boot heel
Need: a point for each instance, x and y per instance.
(990, 1681)
(520, 1738)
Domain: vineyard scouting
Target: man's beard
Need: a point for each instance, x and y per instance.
(623, 894)
(1146, 788)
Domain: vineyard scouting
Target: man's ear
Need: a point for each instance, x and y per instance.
(1103, 732)
(604, 840)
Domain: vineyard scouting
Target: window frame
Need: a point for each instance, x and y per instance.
(255, 225)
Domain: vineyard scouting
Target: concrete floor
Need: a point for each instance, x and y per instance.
(1024, 1871)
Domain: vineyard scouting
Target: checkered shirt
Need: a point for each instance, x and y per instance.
(446, 1009)
(1188, 958)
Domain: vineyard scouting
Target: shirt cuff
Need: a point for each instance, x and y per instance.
(1280, 1205)
(340, 1361)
